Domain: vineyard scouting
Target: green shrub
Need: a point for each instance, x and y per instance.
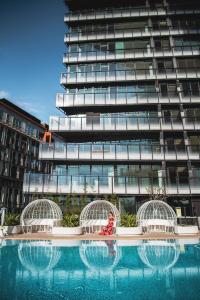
(12, 219)
(128, 220)
(70, 220)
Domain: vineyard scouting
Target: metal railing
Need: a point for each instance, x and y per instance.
(129, 75)
(126, 98)
(79, 184)
(115, 152)
(121, 12)
(130, 53)
(98, 34)
(122, 123)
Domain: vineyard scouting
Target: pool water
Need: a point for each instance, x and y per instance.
(100, 270)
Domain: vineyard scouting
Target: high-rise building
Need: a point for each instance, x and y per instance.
(131, 104)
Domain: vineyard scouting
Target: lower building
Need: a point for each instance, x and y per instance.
(20, 136)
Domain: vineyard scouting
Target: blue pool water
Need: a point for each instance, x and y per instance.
(100, 270)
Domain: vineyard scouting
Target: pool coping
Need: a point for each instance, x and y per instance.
(47, 236)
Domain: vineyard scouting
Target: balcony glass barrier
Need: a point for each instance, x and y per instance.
(128, 12)
(87, 99)
(124, 75)
(95, 34)
(130, 53)
(43, 183)
(111, 123)
(102, 151)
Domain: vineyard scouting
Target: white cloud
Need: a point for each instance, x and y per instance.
(29, 106)
(4, 94)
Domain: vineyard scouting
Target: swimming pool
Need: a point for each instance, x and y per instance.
(94, 270)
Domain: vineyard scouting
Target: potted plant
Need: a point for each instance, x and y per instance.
(70, 225)
(128, 225)
(12, 223)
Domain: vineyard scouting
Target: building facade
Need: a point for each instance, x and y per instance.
(131, 104)
(20, 134)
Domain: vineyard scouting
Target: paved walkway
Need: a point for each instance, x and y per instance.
(48, 236)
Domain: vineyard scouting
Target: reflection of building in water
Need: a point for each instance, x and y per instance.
(125, 274)
(38, 256)
(100, 255)
(159, 255)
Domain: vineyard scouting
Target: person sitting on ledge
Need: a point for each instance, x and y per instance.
(108, 229)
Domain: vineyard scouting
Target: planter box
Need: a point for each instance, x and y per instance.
(67, 230)
(186, 229)
(12, 229)
(128, 230)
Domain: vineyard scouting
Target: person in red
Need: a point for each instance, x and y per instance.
(108, 229)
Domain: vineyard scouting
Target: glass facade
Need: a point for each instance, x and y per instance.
(132, 104)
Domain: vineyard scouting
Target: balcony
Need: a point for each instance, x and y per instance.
(76, 102)
(134, 53)
(97, 185)
(146, 31)
(127, 13)
(128, 75)
(63, 152)
(121, 123)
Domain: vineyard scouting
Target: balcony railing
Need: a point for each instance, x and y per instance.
(84, 15)
(122, 123)
(133, 53)
(131, 185)
(146, 31)
(126, 98)
(117, 152)
(128, 75)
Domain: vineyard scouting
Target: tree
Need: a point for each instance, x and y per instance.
(68, 203)
(156, 193)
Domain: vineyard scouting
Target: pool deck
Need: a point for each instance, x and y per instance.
(48, 236)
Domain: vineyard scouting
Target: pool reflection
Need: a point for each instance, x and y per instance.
(100, 255)
(164, 269)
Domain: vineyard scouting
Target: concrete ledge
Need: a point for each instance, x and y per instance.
(186, 230)
(66, 230)
(128, 230)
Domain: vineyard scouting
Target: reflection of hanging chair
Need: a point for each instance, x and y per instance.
(100, 255)
(156, 216)
(159, 255)
(95, 216)
(38, 256)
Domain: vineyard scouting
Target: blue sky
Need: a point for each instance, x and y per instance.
(31, 51)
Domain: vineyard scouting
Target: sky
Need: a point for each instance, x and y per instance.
(31, 52)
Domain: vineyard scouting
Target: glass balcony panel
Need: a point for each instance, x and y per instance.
(144, 184)
(84, 151)
(50, 184)
(72, 151)
(122, 152)
(134, 151)
(194, 184)
(60, 150)
(146, 151)
(64, 184)
(78, 184)
(132, 185)
(105, 185)
(119, 185)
